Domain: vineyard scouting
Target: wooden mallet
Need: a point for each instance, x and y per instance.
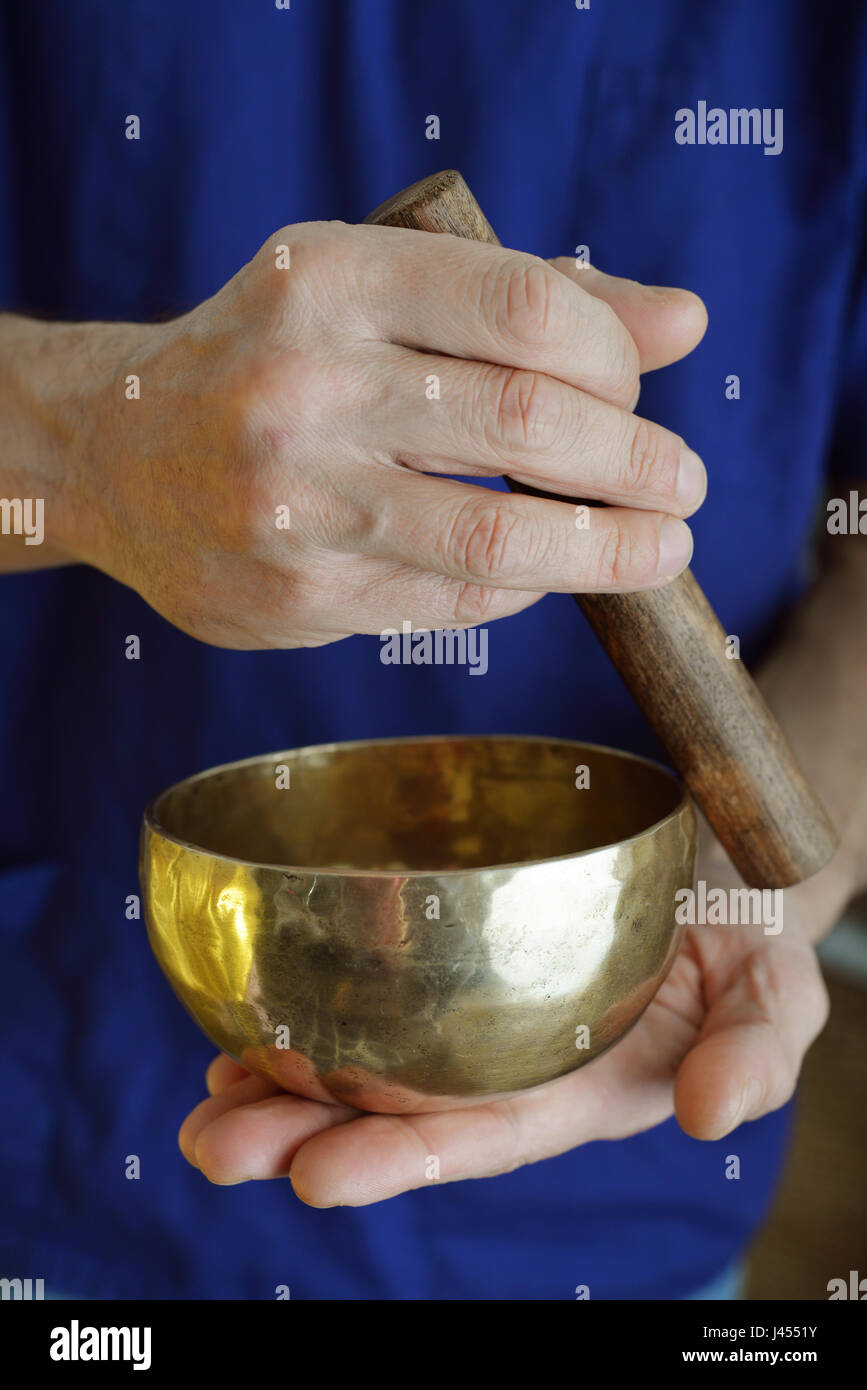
(670, 649)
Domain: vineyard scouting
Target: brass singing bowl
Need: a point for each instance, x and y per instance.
(414, 924)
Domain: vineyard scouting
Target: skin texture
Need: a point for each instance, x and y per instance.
(722, 1042)
(306, 388)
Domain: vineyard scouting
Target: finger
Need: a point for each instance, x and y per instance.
(357, 593)
(749, 1053)
(665, 324)
(390, 594)
(244, 1093)
(360, 594)
(256, 1141)
(379, 1156)
(493, 420)
(446, 294)
(334, 1155)
(504, 542)
(222, 1073)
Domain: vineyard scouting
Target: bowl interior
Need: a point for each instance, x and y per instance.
(428, 805)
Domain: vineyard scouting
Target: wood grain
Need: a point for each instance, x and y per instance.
(670, 649)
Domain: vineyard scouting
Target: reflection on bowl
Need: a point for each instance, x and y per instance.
(413, 924)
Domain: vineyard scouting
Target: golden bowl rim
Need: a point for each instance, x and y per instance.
(150, 820)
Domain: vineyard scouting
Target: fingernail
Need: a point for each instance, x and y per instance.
(691, 479)
(675, 547)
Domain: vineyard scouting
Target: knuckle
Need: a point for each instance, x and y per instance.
(489, 542)
(324, 519)
(528, 412)
(294, 273)
(315, 244)
(615, 556)
(268, 511)
(524, 301)
(293, 597)
(297, 395)
(357, 526)
(652, 464)
(330, 253)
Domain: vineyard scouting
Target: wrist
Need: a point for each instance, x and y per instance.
(28, 478)
(56, 380)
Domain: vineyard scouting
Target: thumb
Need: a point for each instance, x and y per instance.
(665, 324)
(749, 1052)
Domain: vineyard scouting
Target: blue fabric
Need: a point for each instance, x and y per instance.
(729, 1285)
(252, 117)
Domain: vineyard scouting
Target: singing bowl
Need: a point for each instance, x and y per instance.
(416, 924)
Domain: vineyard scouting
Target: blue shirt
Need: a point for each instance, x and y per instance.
(563, 122)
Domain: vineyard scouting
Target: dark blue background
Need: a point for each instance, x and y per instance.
(563, 124)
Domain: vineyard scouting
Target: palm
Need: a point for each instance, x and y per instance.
(721, 1042)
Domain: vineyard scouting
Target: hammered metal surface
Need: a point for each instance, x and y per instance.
(416, 923)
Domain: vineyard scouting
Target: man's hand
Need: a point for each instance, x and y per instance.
(261, 469)
(721, 1043)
